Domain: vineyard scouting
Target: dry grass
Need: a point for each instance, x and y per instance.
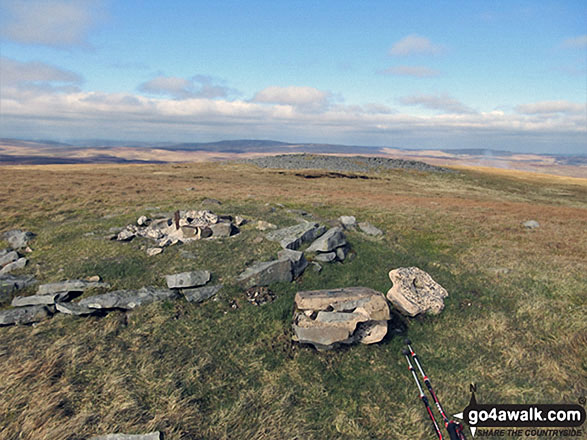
(515, 321)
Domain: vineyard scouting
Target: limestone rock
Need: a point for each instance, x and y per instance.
(11, 283)
(329, 241)
(414, 292)
(298, 261)
(126, 235)
(223, 230)
(265, 273)
(199, 294)
(369, 229)
(294, 236)
(342, 252)
(74, 309)
(143, 221)
(18, 239)
(18, 264)
(185, 280)
(35, 300)
(239, 221)
(347, 221)
(531, 224)
(25, 315)
(8, 257)
(328, 317)
(69, 286)
(151, 252)
(150, 436)
(326, 257)
(127, 299)
(262, 225)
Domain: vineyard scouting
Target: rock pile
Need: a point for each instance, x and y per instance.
(11, 259)
(183, 227)
(331, 246)
(326, 318)
(414, 292)
(193, 285)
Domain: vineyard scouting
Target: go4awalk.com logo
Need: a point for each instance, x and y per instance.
(527, 420)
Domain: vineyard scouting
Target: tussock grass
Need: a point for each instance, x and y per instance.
(514, 323)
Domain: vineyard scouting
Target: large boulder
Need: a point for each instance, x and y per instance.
(127, 299)
(185, 280)
(325, 318)
(25, 315)
(414, 292)
(265, 273)
(294, 236)
(18, 239)
(329, 241)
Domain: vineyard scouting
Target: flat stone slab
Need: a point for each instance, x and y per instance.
(8, 257)
(414, 292)
(127, 299)
(74, 309)
(34, 300)
(25, 315)
(298, 261)
(294, 236)
(200, 294)
(187, 279)
(328, 317)
(150, 436)
(69, 286)
(18, 264)
(369, 229)
(11, 283)
(329, 241)
(265, 273)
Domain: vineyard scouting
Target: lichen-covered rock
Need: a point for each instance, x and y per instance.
(414, 292)
(267, 272)
(185, 280)
(328, 317)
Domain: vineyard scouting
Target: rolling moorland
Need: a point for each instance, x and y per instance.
(515, 321)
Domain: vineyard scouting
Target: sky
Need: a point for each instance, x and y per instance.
(505, 75)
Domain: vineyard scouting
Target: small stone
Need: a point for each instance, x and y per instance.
(94, 279)
(151, 252)
(327, 257)
(15, 265)
(531, 224)
(200, 294)
(239, 221)
(187, 279)
(143, 220)
(126, 235)
(259, 295)
(8, 257)
(316, 267)
(150, 436)
(347, 221)
(262, 225)
(342, 252)
(213, 202)
(369, 229)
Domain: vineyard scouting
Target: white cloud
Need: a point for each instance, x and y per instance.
(58, 23)
(414, 71)
(293, 95)
(547, 107)
(415, 44)
(199, 86)
(579, 42)
(13, 72)
(443, 103)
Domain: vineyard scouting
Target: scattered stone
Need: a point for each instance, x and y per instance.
(531, 224)
(69, 286)
(239, 221)
(150, 436)
(259, 295)
(4, 252)
(298, 261)
(414, 292)
(74, 309)
(327, 257)
(126, 235)
(25, 315)
(342, 252)
(187, 279)
(325, 318)
(329, 241)
(127, 299)
(143, 220)
(94, 279)
(265, 273)
(223, 230)
(294, 236)
(8, 257)
(262, 225)
(11, 283)
(213, 202)
(347, 221)
(18, 264)
(369, 229)
(317, 268)
(151, 252)
(200, 294)
(44, 300)
(18, 239)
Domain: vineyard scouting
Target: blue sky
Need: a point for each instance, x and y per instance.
(473, 74)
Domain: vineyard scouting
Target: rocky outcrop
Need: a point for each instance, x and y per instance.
(294, 236)
(186, 280)
(415, 292)
(25, 315)
(325, 318)
(265, 273)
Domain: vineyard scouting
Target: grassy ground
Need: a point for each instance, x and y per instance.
(515, 322)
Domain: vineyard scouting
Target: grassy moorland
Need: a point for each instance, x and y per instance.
(515, 322)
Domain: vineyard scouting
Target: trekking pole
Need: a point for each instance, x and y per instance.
(455, 429)
(422, 395)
